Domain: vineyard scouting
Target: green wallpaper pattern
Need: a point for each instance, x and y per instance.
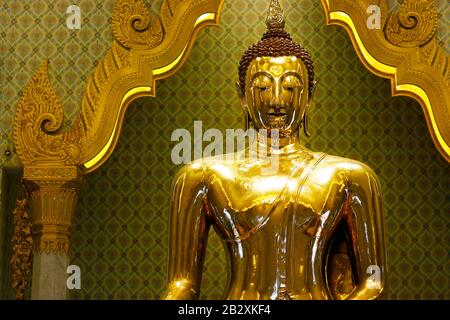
(120, 228)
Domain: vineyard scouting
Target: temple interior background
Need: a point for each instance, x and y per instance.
(120, 231)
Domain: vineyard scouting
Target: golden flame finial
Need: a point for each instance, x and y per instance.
(275, 16)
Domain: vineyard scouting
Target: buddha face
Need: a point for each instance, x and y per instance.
(276, 93)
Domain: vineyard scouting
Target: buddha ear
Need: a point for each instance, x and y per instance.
(241, 96)
(244, 106)
(305, 118)
(305, 122)
(313, 91)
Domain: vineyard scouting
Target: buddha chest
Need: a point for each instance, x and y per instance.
(243, 203)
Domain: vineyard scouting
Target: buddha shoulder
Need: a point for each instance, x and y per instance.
(192, 172)
(205, 169)
(352, 171)
(196, 171)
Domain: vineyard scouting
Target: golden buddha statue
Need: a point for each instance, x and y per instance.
(277, 228)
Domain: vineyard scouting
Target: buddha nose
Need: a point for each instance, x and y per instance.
(276, 101)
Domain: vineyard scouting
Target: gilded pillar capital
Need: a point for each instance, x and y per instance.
(53, 195)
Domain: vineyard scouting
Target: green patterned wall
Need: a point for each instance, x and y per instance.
(121, 224)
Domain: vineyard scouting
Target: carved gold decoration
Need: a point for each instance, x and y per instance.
(21, 259)
(275, 16)
(134, 27)
(414, 24)
(406, 51)
(50, 158)
(53, 194)
(37, 122)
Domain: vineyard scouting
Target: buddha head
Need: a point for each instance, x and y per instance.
(276, 79)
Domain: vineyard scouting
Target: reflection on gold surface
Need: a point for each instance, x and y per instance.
(278, 226)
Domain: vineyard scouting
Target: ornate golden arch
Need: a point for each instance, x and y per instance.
(406, 51)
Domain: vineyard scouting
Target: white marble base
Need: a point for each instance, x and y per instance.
(49, 276)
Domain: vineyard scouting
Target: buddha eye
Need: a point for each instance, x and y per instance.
(290, 83)
(262, 83)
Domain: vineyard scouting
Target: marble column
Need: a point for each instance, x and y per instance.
(49, 276)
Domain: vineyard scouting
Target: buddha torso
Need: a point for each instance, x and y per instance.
(277, 228)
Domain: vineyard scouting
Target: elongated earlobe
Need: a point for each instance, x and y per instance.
(305, 119)
(313, 91)
(246, 121)
(243, 102)
(239, 90)
(306, 123)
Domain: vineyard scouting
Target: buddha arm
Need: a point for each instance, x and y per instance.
(364, 218)
(189, 228)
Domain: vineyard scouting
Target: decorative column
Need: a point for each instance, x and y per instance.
(52, 179)
(53, 195)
